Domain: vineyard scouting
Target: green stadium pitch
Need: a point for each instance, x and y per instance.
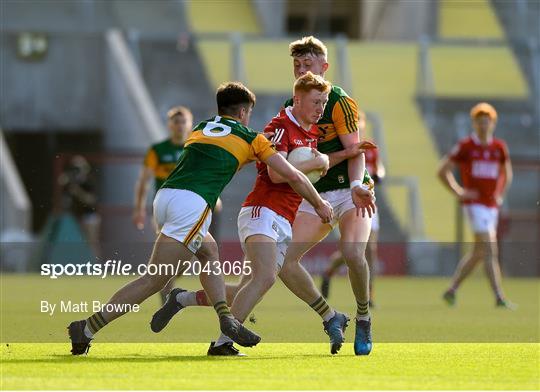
(420, 343)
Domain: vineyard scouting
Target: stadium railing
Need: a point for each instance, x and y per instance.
(16, 208)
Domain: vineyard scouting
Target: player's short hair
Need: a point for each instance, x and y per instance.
(308, 45)
(483, 108)
(230, 96)
(179, 110)
(310, 81)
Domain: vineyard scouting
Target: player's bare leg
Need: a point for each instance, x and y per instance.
(464, 269)
(165, 250)
(354, 235)
(135, 292)
(167, 289)
(307, 232)
(355, 231)
(336, 261)
(493, 269)
(372, 258)
(214, 288)
(200, 298)
(262, 252)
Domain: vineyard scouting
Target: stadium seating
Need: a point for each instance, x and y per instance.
(483, 72)
(384, 81)
(222, 17)
(468, 19)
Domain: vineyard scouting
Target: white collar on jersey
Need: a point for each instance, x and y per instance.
(226, 118)
(476, 140)
(288, 112)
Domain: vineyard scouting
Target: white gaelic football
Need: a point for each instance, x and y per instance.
(302, 154)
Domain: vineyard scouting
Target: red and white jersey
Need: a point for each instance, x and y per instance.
(372, 156)
(281, 198)
(481, 167)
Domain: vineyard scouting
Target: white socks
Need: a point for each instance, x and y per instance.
(187, 298)
(329, 315)
(222, 340)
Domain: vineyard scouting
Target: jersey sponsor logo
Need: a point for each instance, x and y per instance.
(483, 169)
(278, 135)
(298, 142)
(341, 179)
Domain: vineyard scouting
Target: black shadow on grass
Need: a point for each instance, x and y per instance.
(70, 359)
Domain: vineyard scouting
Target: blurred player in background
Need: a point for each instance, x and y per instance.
(161, 158)
(349, 189)
(79, 196)
(377, 172)
(159, 161)
(486, 173)
(215, 151)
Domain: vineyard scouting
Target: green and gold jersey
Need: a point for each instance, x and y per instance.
(214, 152)
(161, 158)
(340, 117)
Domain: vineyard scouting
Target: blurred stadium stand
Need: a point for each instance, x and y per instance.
(111, 69)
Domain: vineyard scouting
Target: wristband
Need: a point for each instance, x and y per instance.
(359, 183)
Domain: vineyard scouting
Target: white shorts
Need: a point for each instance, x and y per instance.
(483, 219)
(340, 200)
(182, 215)
(261, 220)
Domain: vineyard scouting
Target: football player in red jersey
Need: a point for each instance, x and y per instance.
(486, 174)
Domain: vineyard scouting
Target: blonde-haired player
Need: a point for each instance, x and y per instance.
(349, 189)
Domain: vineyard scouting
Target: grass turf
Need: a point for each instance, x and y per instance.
(272, 366)
(420, 343)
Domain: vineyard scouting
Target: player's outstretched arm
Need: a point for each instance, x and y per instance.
(141, 189)
(351, 151)
(300, 183)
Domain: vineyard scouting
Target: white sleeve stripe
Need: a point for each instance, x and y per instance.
(278, 135)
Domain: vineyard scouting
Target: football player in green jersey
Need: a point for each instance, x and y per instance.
(215, 151)
(349, 189)
(161, 158)
(159, 162)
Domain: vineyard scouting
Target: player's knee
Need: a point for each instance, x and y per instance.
(289, 265)
(354, 256)
(154, 283)
(208, 252)
(266, 282)
(481, 249)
